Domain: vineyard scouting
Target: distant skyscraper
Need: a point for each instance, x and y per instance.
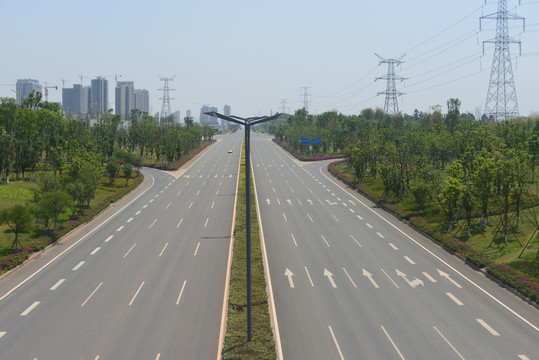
(206, 119)
(99, 96)
(226, 112)
(142, 100)
(25, 87)
(188, 113)
(125, 98)
(75, 100)
(177, 117)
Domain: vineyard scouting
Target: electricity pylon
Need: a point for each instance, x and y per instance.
(391, 105)
(501, 101)
(165, 109)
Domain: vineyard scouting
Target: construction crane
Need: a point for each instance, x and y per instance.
(64, 83)
(115, 76)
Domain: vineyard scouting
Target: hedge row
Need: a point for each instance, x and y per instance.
(504, 273)
(183, 160)
(303, 158)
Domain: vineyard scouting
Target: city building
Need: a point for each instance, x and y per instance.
(99, 96)
(226, 112)
(75, 100)
(25, 87)
(142, 100)
(125, 98)
(206, 119)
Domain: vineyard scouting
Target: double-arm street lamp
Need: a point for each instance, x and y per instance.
(247, 123)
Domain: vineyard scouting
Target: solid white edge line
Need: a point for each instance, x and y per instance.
(336, 343)
(448, 343)
(438, 258)
(273, 312)
(226, 294)
(92, 294)
(392, 342)
(136, 294)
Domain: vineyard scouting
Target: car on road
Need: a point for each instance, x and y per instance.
(230, 151)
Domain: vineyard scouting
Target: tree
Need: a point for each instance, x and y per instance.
(468, 204)
(113, 167)
(18, 218)
(449, 199)
(128, 170)
(483, 180)
(51, 205)
(420, 192)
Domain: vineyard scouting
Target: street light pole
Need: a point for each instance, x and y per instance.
(247, 124)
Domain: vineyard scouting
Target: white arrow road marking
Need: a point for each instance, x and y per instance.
(289, 274)
(289, 201)
(30, 308)
(446, 275)
(454, 298)
(329, 275)
(310, 201)
(369, 276)
(268, 201)
(412, 283)
(331, 203)
(487, 326)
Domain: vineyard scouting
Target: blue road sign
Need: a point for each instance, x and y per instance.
(317, 141)
(304, 141)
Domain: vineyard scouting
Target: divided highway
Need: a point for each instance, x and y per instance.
(144, 281)
(352, 282)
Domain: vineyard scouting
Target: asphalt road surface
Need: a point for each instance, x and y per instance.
(146, 280)
(352, 282)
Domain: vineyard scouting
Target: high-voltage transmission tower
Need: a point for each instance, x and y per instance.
(501, 95)
(306, 97)
(165, 109)
(391, 105)
(283, 106)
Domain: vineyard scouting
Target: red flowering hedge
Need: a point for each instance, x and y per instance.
(504, 273)
(303, 158)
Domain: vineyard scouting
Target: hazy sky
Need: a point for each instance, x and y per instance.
(251, 54)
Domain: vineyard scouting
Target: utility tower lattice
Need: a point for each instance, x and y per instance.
(306, 97)
(165, 109)
(502, 95)
(391, 105)
(283, 106)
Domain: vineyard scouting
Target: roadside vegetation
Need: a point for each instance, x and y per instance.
(469, 184)
(262, 345)
(57, 173)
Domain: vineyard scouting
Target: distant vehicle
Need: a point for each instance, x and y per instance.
(229, 151)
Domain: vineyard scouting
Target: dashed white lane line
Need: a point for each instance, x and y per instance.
(191, 204)
(58, 283)
(77, 267)
(293, 238)
(368, 225)
(168, 206)
(409, 260)
(156, 196)
(454, 298)
(392, 343)
(323, 238)
(152, 224)
(487, 326)
(158, 356)
(128, 251)
(350, 278)
(380, 235)
(120, 228)
(92, 294)
(145, 206)
(196, 250)
(309, 276)
(389, 277)
(212, 204)
(336, 343)
(359, 217)
(310, 218)
(337, 220)
(431, 279)
(109, 238)
(181, 220)
(136, 294)
(357, 242)
(2, 333)
(351, 210)
(138, 212)
(95, 251)
(285, 217)
(162, 251)
(179, 193)
(393, 246)
(448, 343)
(198, 192)
(206, 223)
(521, 357)
(151, 201)
(181, 292)
(129, 220)
(30, 308)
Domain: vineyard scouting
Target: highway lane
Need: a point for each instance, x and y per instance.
(145, 281)
(352, 282)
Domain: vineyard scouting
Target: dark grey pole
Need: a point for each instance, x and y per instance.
(248, 222)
